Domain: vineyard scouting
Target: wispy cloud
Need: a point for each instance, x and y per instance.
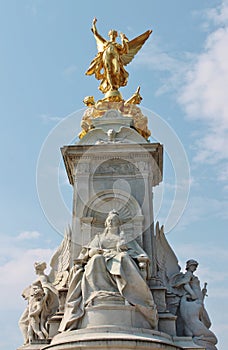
(70, 70)
(171, 67)
(198, 209)
(205, 250)
(199, 83)
(16, 267)
(219, 15)
(211, 258)
(26, 235)
(17, 273)
(204, 94)
(46, 118)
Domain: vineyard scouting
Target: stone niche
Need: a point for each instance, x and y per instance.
(120, 177)
(96, 211)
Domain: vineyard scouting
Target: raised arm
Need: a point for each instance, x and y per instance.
(94, 28)
(124, 41)
(98, 37)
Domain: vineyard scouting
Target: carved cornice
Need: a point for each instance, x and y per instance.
(84, 160)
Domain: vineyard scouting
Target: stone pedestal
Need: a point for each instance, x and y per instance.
(113, 315)
(116, 326)
(167, 323)
(62, 299)
(55, 320)
(112, 338)
(159, 295)
(37, 344)
(54, 323)
(187, 343)
(172, 302)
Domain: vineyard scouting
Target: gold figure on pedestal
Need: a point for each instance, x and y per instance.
(108, 65)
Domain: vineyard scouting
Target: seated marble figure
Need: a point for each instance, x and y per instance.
(107, 271)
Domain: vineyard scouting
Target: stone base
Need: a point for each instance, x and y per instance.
(113, 315)
(186, 343)
(159, 295)
(37, 344)
(167, 323)
(112, 338)
(54, 323)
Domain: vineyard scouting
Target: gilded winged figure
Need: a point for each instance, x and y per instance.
(108, 65)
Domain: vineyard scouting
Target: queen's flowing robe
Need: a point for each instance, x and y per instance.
(112, 273)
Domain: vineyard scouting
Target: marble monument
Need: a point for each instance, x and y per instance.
(115, 282)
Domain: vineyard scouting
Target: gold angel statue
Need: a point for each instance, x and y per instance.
(108, 65)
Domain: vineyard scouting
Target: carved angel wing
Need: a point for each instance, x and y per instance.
(166, 259)
(60, 262)
(134, 46)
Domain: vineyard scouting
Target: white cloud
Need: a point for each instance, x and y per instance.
(199, 82)
(70, 70)
(18, 273)
(28, 235)
(171, 68)
(212, 258)
(16, 268)
(208, 252)
(46, 118)
(223, 176)
(219, 15)
(198, 209)
(204, 95)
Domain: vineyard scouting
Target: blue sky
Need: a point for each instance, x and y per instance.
(46, 47)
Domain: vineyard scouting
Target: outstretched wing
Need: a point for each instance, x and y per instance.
(60, 262)
(134, 46)
(166, 259)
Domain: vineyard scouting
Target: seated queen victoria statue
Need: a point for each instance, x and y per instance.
(107, 271)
